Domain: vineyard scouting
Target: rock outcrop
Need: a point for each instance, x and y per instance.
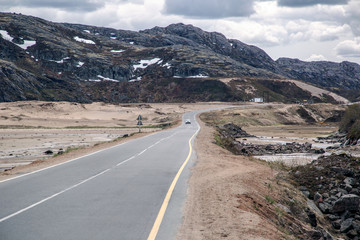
(233, 131)
(344, 75)
(332, 182)
(95, 63)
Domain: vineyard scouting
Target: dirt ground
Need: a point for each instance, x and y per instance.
(239, 197)
(37, 114)
(221, 187)
(29, 129)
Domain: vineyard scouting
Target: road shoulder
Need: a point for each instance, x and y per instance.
(215, 207)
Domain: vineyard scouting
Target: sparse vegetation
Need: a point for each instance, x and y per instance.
(69, 149)
(350, 123)
(161, 126)
(269, 199)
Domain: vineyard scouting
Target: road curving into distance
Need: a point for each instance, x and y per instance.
(135, 190)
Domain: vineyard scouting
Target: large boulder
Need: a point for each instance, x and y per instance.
(346, 225)
(348, 202)
(233, 131)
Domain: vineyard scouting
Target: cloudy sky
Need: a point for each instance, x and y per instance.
(306, 29)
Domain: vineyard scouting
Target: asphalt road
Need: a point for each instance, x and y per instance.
(113, 194)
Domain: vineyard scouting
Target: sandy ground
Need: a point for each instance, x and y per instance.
(214, 209)
(37, 114)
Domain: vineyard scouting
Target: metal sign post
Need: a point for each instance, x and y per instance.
(139, 123)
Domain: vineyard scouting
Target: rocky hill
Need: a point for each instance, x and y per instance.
(43, 60)
(344, 75)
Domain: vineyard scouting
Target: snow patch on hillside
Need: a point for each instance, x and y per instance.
(194, 76)
(102, 78)
(27, 43)
(198, 76)
(145, 63)
(87, 41)
(5, 35)
(167, 65)
(117, 51)
(135, 79)
(61, 61)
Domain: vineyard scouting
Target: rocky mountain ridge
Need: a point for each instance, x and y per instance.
(60, 61)
(345, 75)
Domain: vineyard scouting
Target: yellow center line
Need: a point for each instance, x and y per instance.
(160, 216)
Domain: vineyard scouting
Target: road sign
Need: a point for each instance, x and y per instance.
(139, 123)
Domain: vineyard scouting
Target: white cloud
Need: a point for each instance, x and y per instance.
(209, 9)
(318, 26)
(352, 13)
(68, 5)
(302, 3)
(316, 57)
(326, 32)
(349, 48)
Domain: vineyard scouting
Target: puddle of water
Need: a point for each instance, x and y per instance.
(283, 141)
(293, 159)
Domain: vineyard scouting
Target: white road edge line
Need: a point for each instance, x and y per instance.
(52, 196)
